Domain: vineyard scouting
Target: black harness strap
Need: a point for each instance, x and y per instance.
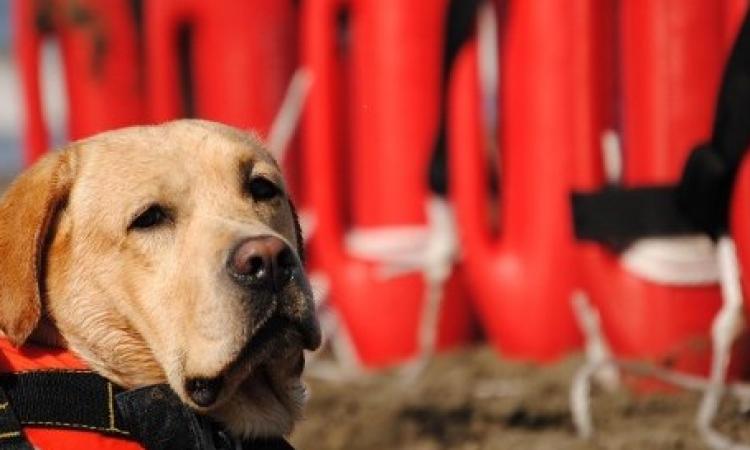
(11, 434)
(64, 399)
(699, 203)
(153, 416)
(157, 418)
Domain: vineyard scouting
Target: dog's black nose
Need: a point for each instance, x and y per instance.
(263, 262)
(203, 391)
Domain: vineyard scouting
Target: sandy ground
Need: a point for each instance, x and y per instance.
(472, 400)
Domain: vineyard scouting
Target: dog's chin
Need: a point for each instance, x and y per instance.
(260, 391)
(263, 394)
(267, 403)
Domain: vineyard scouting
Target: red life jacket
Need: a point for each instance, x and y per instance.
(30, 357)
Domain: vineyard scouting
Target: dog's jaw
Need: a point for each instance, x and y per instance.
(264, 395)
(259, 410)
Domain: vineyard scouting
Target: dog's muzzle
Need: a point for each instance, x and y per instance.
(266, 267)
(263, 263)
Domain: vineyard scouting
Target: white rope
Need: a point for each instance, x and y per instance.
(581, 387)
(396, 249)
(726, 327)
(439, 254)
(488, 74)
(611, 156)
(679, 261)
(488, 63)
(345, 364)
(287, 119)
(307, 223)
(597, 355)
(596, 346)
(401, 250)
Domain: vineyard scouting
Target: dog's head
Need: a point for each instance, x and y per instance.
(166, 253)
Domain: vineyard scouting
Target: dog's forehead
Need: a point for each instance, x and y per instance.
(187, 149)
(175, 159)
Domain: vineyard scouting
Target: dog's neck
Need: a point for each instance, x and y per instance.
(47, 334)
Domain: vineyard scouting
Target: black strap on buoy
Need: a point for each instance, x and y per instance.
(699, 203)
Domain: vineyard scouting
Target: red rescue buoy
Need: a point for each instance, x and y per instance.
(369, 130)
(99, 48)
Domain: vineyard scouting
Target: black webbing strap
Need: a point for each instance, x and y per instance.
(71, 399)
(616, 216)
(153, 416)
(11, 434)
(700, 201)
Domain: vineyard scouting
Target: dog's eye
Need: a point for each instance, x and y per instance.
(154, 216)
(262, 189)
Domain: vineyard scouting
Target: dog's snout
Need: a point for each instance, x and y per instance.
(263, 262)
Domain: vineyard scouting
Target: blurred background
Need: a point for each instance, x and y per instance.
(11, 118)
(10, 121)
(471, 177)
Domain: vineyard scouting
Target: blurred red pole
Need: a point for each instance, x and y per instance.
(99, 50)
(369, 130)
(523, 276)
(241, 57)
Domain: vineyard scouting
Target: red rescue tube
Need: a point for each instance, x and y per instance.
(101, 63)
(369, 130)
(669, 82)
(522, 277)
(241, 58)
(243, 55)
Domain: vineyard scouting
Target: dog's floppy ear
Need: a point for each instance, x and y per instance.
(27, 210)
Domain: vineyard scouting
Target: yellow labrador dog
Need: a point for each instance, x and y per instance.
(165, 254)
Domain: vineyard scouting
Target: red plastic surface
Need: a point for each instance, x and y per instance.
(369, 131)
(100, 62)
(523, 276)
(31, 357)
(243, 54)
(669, 81)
